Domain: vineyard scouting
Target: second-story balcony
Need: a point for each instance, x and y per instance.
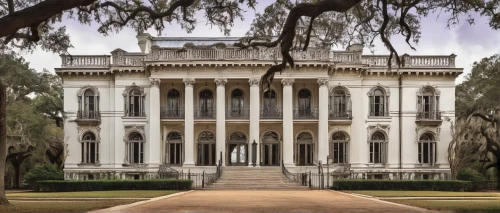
(204, 113)
(271, 113)
(172, 113)
(88, 117)
(339, 115)
(428, 118)
(237, 113)
(305, 113)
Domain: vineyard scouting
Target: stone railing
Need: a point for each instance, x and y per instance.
(121, 58)
(85, 60)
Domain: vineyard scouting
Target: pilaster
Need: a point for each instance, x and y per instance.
(220, 135)
(189, 123)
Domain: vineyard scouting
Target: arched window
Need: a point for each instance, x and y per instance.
(340, 104)
(135, 148)
(88, 103)
(427, 149)
(173, 149)
(174, 103)
(206, 104)
(378, 147)
(428, 103)
(270, 149)
(270, 109)
(237, 107)
(378, 102)
(90, 149)
(305, 149)
(237, 151)
(206, 149)
(305, 103)
(134, 101)
(339, 147)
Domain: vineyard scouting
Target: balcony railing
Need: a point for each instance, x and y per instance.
(429, 115)
(134, 114)
(96, 61)
(379, 114)
(237, 113)
(339, 115)
(204, 113)
(88, 115)
(271, 113)
(305, 113)
(172, 113)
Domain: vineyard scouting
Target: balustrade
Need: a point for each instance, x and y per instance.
(429, 115)
(237, 113)
(172, 113)
(85, 60)
(271, 113)
(339, 115)
(88, 115)
(305, 113)
(204, 113)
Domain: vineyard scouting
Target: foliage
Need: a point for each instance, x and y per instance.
(465, 147)
(416, 185)
(106, 185)
(43, 172)
(469, 174)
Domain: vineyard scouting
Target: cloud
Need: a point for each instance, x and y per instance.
(469, 42)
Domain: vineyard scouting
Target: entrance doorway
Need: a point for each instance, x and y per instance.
(237, 150)
(270, 151)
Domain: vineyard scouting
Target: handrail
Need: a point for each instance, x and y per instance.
(298, 178)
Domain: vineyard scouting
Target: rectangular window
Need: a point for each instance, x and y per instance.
(427, 153)
(377, 152)
(339, 152)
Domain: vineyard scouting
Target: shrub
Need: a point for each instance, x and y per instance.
(416, 185)
(469, 174)
(108, 185)
(42, 172)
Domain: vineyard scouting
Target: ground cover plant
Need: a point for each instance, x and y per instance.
(389, 193)
(60, 206)
(94, 194)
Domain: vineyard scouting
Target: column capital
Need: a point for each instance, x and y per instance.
(189, 82)
(254, 82)
(288, 81)
(323, 82)
(220, 81)
(155, 82)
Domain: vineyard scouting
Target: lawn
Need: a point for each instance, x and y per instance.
(60, 206)
(380, 193)
(485, 206)
(94, 194)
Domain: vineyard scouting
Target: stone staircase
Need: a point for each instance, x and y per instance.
(242, 177)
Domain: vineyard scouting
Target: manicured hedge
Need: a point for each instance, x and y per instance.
(108, 185)
(415, 185)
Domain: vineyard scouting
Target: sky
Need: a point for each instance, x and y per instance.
(469, 42)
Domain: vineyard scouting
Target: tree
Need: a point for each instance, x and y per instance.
(478, 101)
(27, 24)
(465, 146)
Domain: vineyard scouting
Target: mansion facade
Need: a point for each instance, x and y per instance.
(192, 102)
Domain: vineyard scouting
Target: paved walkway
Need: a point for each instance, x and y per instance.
(267, 201)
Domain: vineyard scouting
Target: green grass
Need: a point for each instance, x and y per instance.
(94, 194)
(485, 206)
(377, 193)
(61, 206)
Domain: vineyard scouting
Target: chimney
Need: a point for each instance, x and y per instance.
(144, 41)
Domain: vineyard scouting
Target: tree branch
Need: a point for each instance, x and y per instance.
(11, 6)
(484, 117)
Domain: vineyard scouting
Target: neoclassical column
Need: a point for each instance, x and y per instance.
(189, 123)
(288, 121)
(323, 120)
(154, 123)
(254, 119)
(220, 134)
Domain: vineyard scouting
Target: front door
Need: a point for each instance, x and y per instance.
(270, 154)
(237, 154)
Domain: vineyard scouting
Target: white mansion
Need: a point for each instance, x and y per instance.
(190, 102)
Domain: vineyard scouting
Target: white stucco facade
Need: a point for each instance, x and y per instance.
(191, 106)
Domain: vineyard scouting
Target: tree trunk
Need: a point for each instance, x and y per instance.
(498, 172)
(17, 174)
(3, 142)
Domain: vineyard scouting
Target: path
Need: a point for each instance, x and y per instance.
(268, 201)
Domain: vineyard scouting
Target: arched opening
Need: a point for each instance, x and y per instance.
(378, 147)
(305, 149)
(269, 105)
(339, 104)
(237, 105)
(305, 103)
(271, 154)
(206, 104)
(89, 105)
(136, 105)
(135, 148)
(428, 104)
(90, 149)
(339, 147)
(237, 149)
(206, 149)
(174, 103)
(174, 154)
(427, 149)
